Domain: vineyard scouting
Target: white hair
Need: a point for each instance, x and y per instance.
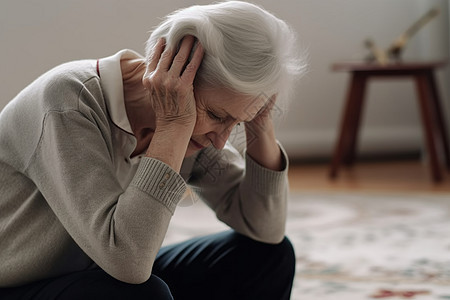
(247, 49)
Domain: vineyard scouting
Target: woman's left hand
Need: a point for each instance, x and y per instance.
(262, 145)
(263, 118)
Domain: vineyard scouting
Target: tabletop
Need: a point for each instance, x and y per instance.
(355, 66)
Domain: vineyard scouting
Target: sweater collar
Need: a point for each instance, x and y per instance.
(111, 81)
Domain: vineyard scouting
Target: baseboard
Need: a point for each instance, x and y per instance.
(314, 144)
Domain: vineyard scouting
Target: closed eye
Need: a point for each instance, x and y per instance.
(215, 117)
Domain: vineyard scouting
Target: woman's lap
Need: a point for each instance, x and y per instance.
(227, 265)
(92, 284)
(221, 266)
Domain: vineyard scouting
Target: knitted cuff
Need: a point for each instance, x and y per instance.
(263, 180)
(159, 181)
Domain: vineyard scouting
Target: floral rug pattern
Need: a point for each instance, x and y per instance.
(356, 246)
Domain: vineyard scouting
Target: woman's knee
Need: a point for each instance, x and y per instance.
(101, 286)
(285, 249)
(272, 267)
(280, 258)
(275, 257)
(153, 288)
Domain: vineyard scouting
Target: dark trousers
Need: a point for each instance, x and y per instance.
(221, 266)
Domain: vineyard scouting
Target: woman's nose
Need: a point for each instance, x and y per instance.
(220, 137)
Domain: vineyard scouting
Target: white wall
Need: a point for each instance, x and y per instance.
(334, 31)
(37, 35)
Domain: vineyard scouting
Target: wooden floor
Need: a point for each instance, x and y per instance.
(402, 176)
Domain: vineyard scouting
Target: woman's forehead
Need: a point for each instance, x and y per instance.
(252, 107)
(239, 106)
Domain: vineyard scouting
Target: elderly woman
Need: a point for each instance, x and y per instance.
(96, 154)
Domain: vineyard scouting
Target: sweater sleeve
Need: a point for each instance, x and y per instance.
(120, 229)
(246, 196)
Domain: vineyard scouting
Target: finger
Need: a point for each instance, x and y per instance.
(176, 64)
(179, 61)
(266, 109)
(192, 67)
(156, 54)
(268, 105)
(271, 102)
(166, 60)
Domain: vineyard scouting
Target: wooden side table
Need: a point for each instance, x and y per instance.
(430, 107)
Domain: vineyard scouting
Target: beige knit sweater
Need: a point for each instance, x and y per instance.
(72, 198)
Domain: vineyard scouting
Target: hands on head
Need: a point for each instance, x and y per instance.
(169, 78)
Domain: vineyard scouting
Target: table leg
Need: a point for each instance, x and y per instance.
(442, 126)
(350, 119)
(359, 87)
(426, 108)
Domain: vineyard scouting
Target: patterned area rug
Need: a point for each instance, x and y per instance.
(356, 246)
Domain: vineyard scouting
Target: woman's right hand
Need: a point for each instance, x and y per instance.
(169, 79)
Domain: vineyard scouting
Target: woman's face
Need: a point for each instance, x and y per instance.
(218, 111)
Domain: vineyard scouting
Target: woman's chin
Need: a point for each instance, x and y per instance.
(191, 151)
